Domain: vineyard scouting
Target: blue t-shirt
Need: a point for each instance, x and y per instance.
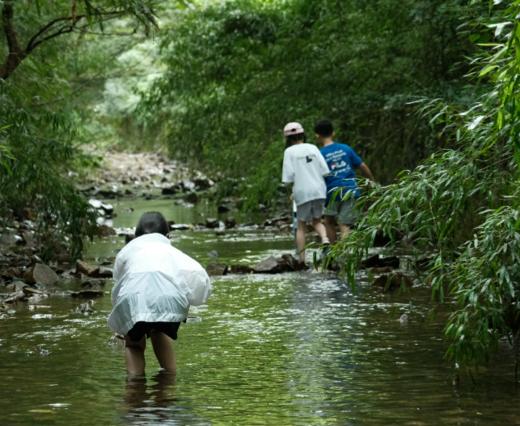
(342, 160)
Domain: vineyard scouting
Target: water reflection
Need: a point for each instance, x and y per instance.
(290, 349)
(150, 400)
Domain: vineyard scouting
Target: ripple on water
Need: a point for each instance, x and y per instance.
(292, 349)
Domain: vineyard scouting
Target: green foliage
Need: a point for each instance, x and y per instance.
(461, 205)
(45, 100)
(236, 72)
(37, 157)
(485, 282)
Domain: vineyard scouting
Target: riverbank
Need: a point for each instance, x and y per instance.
(29, 273)
(118, 191)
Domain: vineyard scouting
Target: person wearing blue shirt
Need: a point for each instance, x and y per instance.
(342, 189)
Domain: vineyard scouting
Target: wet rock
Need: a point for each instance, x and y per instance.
(104, 272)
(291, 263)
(108, 192)
(87, 293)
(221, 230)
(8, 238)
(15, 297)
(105, 231)
(240, 269)
(29, 238)
(41, 274)
(277, 221)
(180, 227)
(83, 267)
(230, 222)
(216, 269)
(191, 197)
(212, 223)
(170, 190)
(12, 272)
(377, 261)
(92, 283)
(95, 203)
(203, 183)
(16, 286)
(31, 291)
(269, 266)
(188, 185)
(393, 281)
(107, 209)
(222, 208)
(273, 265)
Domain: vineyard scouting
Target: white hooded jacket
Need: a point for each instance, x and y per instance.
(155, 282)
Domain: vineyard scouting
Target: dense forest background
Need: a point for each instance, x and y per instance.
(425, 90)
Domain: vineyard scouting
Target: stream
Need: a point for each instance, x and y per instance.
(297, 348)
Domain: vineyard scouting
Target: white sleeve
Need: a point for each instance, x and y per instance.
(322, 164)
(117, 275)
(198, 285)
(287, 169)
(192, 277)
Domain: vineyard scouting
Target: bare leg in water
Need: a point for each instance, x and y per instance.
(163, 349)
(300, 236)
(134, 356)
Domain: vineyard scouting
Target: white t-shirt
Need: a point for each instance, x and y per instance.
(304, 166)
(155, 282)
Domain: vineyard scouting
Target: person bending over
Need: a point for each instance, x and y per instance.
(155, 284)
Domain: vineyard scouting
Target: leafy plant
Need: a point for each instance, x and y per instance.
(236, 72)
(461, 205)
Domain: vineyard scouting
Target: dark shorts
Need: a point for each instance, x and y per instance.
(141, 328)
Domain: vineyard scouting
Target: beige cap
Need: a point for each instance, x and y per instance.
(293, 128)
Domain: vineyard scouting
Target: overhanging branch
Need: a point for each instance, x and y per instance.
(53, 29)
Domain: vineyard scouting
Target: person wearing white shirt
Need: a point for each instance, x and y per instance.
(305, 168)
(155, 284)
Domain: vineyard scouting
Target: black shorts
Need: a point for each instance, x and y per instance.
(141, 328)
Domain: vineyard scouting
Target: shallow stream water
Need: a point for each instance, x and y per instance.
(289, 349)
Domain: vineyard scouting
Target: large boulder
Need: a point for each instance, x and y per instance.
(275, 265)
(267, 266)
(83, 267)
(216, 269)
(41, 274)
(212, 223)
(240, 269)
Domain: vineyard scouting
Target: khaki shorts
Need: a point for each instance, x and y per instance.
(310, 210)
(344, 211)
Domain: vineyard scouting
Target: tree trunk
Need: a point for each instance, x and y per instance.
(15, 55)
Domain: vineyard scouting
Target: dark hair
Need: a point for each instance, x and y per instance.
(324, 128)
(292, 139)
(152, 222)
